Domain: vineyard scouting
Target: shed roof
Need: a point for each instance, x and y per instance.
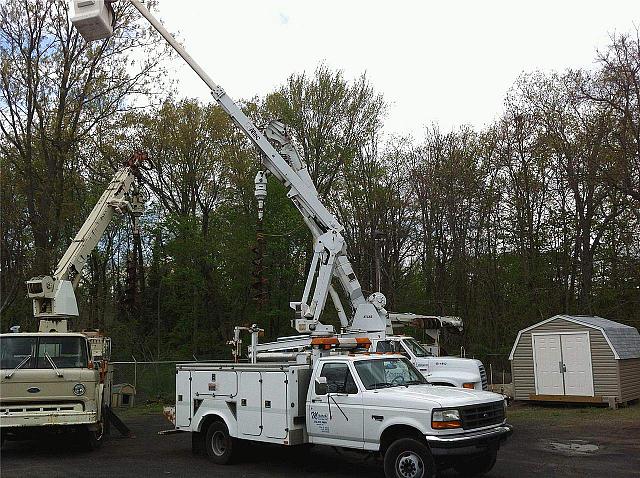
(117, 388)
(624, 340)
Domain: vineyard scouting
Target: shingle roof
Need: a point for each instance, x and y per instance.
(624, 339)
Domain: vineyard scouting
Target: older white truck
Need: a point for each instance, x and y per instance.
(451, 371)
(378, 403)
(52, 382)
(55, 379)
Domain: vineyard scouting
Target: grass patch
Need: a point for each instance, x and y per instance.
(570, 415)
(140, 410)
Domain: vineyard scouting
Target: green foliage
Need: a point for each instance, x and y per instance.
(533, 216)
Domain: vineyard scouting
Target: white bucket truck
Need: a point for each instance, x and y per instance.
(315, 392)
(337, 394)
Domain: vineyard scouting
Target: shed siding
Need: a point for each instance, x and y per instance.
(629, 379)
(603, 363)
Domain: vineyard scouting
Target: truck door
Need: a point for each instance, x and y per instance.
(250, 404)
(183, 398)
(336, 418)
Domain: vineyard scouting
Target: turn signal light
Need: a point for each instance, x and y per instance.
(469, 385)
(446, 425)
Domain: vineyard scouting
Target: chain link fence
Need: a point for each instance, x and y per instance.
(153, 381)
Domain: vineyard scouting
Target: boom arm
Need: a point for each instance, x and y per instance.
(329, 250)
(53, 296)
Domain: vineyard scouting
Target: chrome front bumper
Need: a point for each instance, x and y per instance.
(468, 443)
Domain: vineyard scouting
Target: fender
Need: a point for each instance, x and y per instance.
(226, 416)
(417, 423)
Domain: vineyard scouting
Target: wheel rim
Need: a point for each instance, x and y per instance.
(219, 443)
(99, 432)
(409, 465)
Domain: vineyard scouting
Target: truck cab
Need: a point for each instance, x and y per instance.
(449, 371)
(381, 403)
(49, 381)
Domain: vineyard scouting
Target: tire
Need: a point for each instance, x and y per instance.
(409, 458)
(218, 444)
(478, 465)
(197, 443)
(93, 439)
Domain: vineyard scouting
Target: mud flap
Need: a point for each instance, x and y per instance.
(116, 422)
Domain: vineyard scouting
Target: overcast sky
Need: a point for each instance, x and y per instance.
(446, 62)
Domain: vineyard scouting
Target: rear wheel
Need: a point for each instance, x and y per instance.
(478, 465)
(219, 444)
(408, 458)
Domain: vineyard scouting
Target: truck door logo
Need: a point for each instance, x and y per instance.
(33, 390)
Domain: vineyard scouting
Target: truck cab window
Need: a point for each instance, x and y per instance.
(339, 378)
(65, 352)
(15, 349)
(391, 346)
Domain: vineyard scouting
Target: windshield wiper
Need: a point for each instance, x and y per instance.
(415, 382)
(24, 361)
(53, 365)
(381, 385)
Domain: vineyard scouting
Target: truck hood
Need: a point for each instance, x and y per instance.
(428, 396)
(43, 385)
(448, 363)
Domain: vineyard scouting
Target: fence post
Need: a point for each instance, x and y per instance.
(135, 373)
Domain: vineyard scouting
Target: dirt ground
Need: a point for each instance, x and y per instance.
(547, 442)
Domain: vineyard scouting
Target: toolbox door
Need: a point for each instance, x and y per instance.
(274, 404)
(249, 404)
(183, 398)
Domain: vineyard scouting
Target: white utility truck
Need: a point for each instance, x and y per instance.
(54, 379)
(314, 392)
(338, 394)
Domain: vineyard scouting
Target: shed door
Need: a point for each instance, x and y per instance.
(547, 354)
(563, 364)
(576, 356)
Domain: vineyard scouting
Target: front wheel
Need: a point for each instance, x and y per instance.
(478, 465)
(92, 439)
(219, 444)
(408, 458)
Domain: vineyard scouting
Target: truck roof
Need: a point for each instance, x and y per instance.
(43, 334)
(362, 356)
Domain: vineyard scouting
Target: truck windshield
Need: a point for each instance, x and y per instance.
(415, 348)
(64, 352)
(391, 372)
(16, 350)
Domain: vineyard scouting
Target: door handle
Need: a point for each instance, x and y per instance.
(316, 400)
(564, 367)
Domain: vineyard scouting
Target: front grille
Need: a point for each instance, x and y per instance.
(483, 376)
(39, 408)
(483, 415)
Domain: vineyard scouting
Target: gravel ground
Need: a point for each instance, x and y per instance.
(539, 447)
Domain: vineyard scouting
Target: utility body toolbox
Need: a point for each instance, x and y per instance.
(261, 402)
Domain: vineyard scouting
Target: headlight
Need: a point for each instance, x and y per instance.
(78, 389)
(443, 419)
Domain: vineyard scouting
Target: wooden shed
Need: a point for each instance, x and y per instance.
(576, 358)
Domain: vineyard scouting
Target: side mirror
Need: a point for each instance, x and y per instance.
(321, 387)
